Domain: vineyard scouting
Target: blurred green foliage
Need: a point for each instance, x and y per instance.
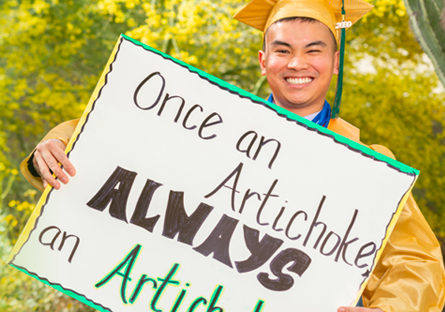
(427, 18)
(52, 54)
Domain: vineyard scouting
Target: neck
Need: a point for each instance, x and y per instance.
(322, 118)
(303, 111)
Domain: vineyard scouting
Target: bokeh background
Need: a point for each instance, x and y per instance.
(52, 53)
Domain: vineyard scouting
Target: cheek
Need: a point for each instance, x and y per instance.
(325, 68)
(275, 64)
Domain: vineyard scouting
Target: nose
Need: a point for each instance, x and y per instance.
(297, 62)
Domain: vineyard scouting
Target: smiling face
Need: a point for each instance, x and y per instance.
(299, 60)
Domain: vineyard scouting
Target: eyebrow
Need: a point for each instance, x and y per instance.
(316, 43)
(279, 42)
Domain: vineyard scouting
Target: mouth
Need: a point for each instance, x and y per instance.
(299, 81)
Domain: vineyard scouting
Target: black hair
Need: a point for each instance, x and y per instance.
(300, 19)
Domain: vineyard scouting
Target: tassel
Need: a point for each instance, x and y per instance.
(339, 88)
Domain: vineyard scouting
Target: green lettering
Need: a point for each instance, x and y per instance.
(165, 282)
(128, 262)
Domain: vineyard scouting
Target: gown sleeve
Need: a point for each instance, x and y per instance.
(410, 273)
(63, 132)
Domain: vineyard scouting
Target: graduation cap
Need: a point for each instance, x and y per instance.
(337, 15)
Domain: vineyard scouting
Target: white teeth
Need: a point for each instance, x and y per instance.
(298, 80)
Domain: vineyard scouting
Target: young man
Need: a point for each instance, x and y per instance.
(299, 57)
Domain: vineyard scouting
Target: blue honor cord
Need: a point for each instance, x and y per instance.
(322, 118)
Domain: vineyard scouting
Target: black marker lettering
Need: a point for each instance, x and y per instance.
(169, 98)
(247, 195)
(177, 220)
(360, 255)
(274, 226)
(206, 124)
(139, 215)
(260, 251)
(344, 244)
(291, 221)
(76, 244)
(263, 143)
(263, 204)
(325, 242)
(315, 224)
(55, 236)
(49, 228)
(118, 197)
(301, 262)
(184, 123)
(219, 240)
(135, 97)
(237, 171)
(252, 141)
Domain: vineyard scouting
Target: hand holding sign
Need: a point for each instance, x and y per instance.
(46, 161)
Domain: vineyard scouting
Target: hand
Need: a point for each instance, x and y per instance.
(47, 157)
(354, 309)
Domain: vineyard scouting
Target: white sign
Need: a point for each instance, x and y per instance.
(192, 195)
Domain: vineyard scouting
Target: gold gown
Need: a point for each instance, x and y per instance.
(410, 273)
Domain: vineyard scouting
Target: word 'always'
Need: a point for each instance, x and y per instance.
(114, 193)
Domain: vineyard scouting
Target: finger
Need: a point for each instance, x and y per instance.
(45, 184)
(345, 309)
(44, 171)
(61, 157)
(53, 164)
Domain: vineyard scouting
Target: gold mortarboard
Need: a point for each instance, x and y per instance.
(260, 14)
(335, 14)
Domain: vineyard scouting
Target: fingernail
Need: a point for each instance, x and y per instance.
(72, 172)
(341, 310)
(64, 180)
(57, 185)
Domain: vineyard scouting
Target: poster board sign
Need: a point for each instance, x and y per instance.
(193, 195)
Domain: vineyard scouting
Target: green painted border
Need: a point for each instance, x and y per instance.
(281, 111)
(70, 293)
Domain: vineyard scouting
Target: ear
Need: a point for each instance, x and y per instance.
(336, 62)
(262, 61)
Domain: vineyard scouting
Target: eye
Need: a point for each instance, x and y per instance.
(282, 51)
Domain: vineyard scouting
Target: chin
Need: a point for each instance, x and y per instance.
(297, 103)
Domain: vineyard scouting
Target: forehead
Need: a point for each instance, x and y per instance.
(298, 32)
